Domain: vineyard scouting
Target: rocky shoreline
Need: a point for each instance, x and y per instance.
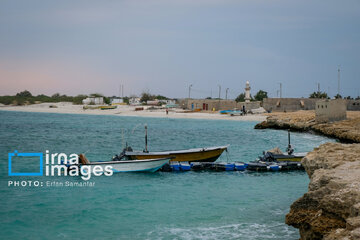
(347, 131)
(331, 207)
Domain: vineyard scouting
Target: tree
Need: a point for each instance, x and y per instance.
(160, 97)
(146, 96)
(338, 96)
(240, 98)
(96, 95)
(319, 95)
(106, 100)
(349, 97)
(78, 99)
(56, 95)
(25, 93)
(260, 95)
(126, 100)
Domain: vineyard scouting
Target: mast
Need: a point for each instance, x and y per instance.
(289, 137)
(146, 140)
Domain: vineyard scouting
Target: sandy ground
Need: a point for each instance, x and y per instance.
(64, 107)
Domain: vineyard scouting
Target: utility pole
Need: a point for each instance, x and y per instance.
(339, 79)
(122, 91)
(318, 87)
(190, 89)
(219, 92)
(119, 90)
(280, 90)
(226, 93)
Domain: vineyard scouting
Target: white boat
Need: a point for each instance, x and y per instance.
(148, 165)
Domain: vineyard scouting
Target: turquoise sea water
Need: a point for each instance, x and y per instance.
(190, 205)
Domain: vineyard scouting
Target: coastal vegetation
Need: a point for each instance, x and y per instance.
(25, 97)
(147, 96)
(260, 95)
(240, 98)
(319, 94)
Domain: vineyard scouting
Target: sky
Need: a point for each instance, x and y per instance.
(163, 46)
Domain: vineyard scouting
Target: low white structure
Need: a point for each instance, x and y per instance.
(169, 101)
(247, 92)
(93, 100)
(152, 102)
(330, 110)
(134, 101)
(163, 101)
(116, 101)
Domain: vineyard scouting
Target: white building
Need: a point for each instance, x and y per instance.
(93, 100)
(117, 101)
(169, 101)
(134, 101)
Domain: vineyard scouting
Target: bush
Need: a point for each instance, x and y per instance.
(319, 95)
(260, 95)
(240, 98)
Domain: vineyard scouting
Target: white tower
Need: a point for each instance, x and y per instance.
(247, 92)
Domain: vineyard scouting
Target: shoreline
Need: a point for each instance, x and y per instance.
(330, 209)
(129, 111)
(331, 206)
(346, 131)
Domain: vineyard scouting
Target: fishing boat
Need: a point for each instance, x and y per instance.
(274, 166)
(207, 154)
(234, 112)
(277, 155)
(108, 107)
(148, 165)
(270, 156)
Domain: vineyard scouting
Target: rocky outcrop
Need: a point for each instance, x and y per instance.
(346, 130)
(331, 207)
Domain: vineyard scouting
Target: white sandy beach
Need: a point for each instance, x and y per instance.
(121, 110)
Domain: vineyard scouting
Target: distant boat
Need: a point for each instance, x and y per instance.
(148, 165)
(232, 112)
(108, 107)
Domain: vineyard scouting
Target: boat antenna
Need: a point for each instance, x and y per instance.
(146, 140)
(289, 137)
(122, 138)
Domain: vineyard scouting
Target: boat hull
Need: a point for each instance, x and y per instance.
(288, 158)
(149, 165)
(198, 155)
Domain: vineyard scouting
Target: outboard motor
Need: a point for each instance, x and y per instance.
(289, 149)
(122, 155)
